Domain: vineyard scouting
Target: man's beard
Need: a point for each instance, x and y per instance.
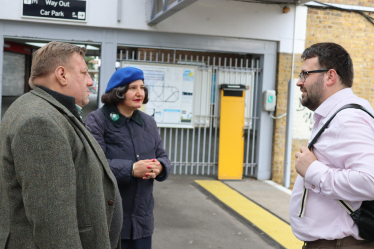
(313, 95)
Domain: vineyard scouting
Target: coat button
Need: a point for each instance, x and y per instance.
(110, 202)
(137, 155)
(132, 215)
(136, 196)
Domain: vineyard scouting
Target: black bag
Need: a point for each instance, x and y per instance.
(364, 216)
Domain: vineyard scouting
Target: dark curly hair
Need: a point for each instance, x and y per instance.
(332, 56)
(117, 95)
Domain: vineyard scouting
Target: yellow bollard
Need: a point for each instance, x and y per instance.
(231, 136)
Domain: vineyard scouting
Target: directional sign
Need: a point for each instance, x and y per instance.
(72, 10)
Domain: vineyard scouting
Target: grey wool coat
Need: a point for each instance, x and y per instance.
(56, 188)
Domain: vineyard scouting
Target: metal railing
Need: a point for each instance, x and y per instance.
(195, 150)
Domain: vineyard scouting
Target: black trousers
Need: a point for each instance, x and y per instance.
(347, 242)
(143, 243)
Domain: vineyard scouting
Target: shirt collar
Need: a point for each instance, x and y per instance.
(113, 114)
(325, 108)
(79, 109)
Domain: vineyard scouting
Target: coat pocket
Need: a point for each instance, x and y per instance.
(84, 228)
(150, 205)
(86, 236)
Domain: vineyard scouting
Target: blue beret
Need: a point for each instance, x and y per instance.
(124, 76)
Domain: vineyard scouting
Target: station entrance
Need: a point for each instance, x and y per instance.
(191, 136)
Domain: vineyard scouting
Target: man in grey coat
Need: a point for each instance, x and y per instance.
(56, 188)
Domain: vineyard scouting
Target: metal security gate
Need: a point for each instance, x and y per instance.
(195, 150)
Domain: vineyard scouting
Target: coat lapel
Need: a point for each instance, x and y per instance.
(77, 125)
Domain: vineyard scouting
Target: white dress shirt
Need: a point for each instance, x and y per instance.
(344, 171)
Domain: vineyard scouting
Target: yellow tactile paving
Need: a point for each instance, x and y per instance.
(267, 222)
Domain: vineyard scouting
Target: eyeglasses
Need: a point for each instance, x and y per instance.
(302, 75)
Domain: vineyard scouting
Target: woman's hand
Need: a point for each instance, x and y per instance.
(154, 169)
(147, 169)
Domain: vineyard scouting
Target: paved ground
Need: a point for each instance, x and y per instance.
(267, 196)
(188, 217)
(185, 217)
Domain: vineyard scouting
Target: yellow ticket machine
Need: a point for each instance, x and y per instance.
(231, 134)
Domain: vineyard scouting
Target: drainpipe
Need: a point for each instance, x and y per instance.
(288, 143)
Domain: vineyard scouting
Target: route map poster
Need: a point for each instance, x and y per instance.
(170, 93)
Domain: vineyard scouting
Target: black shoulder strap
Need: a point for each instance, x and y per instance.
(355, 106)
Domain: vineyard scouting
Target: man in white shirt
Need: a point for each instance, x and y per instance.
(341, 163)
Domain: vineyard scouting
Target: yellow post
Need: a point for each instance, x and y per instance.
(231, 136)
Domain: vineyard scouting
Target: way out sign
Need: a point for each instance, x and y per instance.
(70, 10)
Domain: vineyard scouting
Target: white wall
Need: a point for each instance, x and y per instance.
(204, 17)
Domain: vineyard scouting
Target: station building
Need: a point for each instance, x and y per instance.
(188, 50)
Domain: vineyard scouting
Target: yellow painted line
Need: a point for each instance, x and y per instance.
(276, 228)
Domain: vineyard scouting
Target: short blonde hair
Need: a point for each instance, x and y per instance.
(47, 58)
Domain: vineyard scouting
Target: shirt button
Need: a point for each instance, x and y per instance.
(313, 187)
(110, 202)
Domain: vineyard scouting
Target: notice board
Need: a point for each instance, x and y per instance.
(170, 93)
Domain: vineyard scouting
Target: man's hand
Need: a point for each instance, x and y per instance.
(304, 159)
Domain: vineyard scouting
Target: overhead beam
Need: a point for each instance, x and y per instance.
(167, 10)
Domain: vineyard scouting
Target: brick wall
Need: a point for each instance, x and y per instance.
(354, 33)
(283, 76)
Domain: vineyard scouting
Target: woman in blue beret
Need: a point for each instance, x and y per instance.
(134, 151)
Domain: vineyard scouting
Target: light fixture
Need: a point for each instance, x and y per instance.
(286, 9)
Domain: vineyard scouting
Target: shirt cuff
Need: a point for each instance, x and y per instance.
(313, 176)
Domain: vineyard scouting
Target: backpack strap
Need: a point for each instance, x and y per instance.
(355, 106)
(344, 204)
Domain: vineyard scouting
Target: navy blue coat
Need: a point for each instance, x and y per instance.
(125, 142)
